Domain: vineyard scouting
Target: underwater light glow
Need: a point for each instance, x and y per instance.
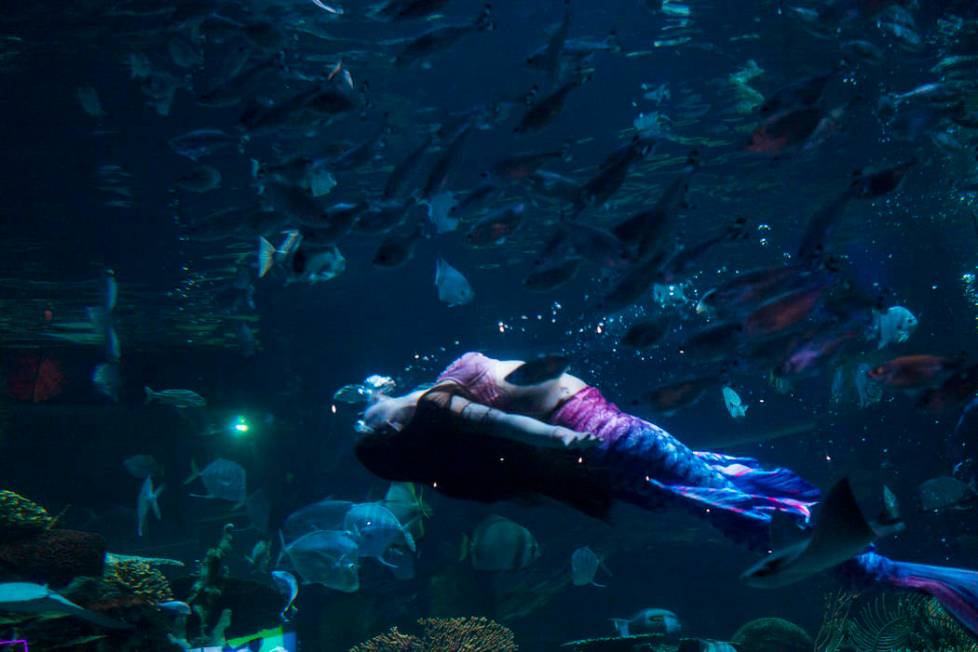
(240, 426)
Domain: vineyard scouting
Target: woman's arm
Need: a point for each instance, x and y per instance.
(497, 423)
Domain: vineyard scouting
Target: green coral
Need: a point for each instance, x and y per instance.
(206, 592)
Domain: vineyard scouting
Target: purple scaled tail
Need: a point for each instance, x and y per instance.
(955, 588)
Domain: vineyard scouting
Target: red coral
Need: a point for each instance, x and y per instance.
(54, 557)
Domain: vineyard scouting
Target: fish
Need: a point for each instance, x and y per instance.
(376, 529)
(453, 288)
(443, 38)
(784, 311)
(957, 389)
(260, 556)
(25, 597)
(147, 500)
(327, 514)
(178, 398)
(406, 503)
(799, 93)
(288, 586)
(523, 166)
(867, 391)
(584, 566)
(549, 58)
(498, 544)
(735, 406)
(405, 170)
(107, 378)
(396, 250)
(201, 179)
(90, 103)
(683, 393)
(175, 607)
(648, 621)
(912, 371)
(326, 557)
(646, 333)
(551, 275)
(496, 227)
(895, 326)
(872, 184)
(612, 173)
(315, 266)
(408, 9)
(541, 370)
(447, 160)
(944, 492)
(142, 466)
(201, 142)
(223, 480)
(841, 532)
(545, 110)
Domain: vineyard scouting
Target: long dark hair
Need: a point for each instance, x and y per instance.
(437, 449)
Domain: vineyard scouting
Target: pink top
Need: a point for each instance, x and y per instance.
(473, 371)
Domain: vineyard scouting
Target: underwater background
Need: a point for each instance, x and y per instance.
(96, 185)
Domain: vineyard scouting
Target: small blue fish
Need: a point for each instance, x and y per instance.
(453, 288)
(176, 607)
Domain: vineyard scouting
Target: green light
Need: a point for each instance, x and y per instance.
(241, 426)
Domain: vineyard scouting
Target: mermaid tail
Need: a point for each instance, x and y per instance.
(773, 489)
(955, 588)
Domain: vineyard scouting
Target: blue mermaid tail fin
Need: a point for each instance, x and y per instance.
(747, 474)
(955, 588)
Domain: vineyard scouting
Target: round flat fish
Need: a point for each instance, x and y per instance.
(499, 544)
(329, 558)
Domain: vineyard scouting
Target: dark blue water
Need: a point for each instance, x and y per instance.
(177, 313)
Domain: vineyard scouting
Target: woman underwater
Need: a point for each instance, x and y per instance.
(474, 435)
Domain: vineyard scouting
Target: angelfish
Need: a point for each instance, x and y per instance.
(453, 288)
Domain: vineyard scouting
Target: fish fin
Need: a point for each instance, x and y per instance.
(620, 624)
(194, 471)
(266, 256)
(281, 549)
(464, 548)
(600, 586)
(409, 540)
(383, 561)
(840, 521)
(149, 394)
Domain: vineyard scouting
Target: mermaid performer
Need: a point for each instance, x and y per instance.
(474, 435)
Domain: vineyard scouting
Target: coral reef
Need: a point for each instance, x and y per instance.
(20, 517)
(139, 579)
(445, 635)
(466, 635)
(209, 620)
(53, 557)
(772, 635)
(391, 641)
(891, 622)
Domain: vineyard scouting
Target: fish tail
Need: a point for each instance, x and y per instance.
(266, 256)
(153, 501)
(621, 625)
(956, 589)
(150, 394)
(485, 22)
(194, 471)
